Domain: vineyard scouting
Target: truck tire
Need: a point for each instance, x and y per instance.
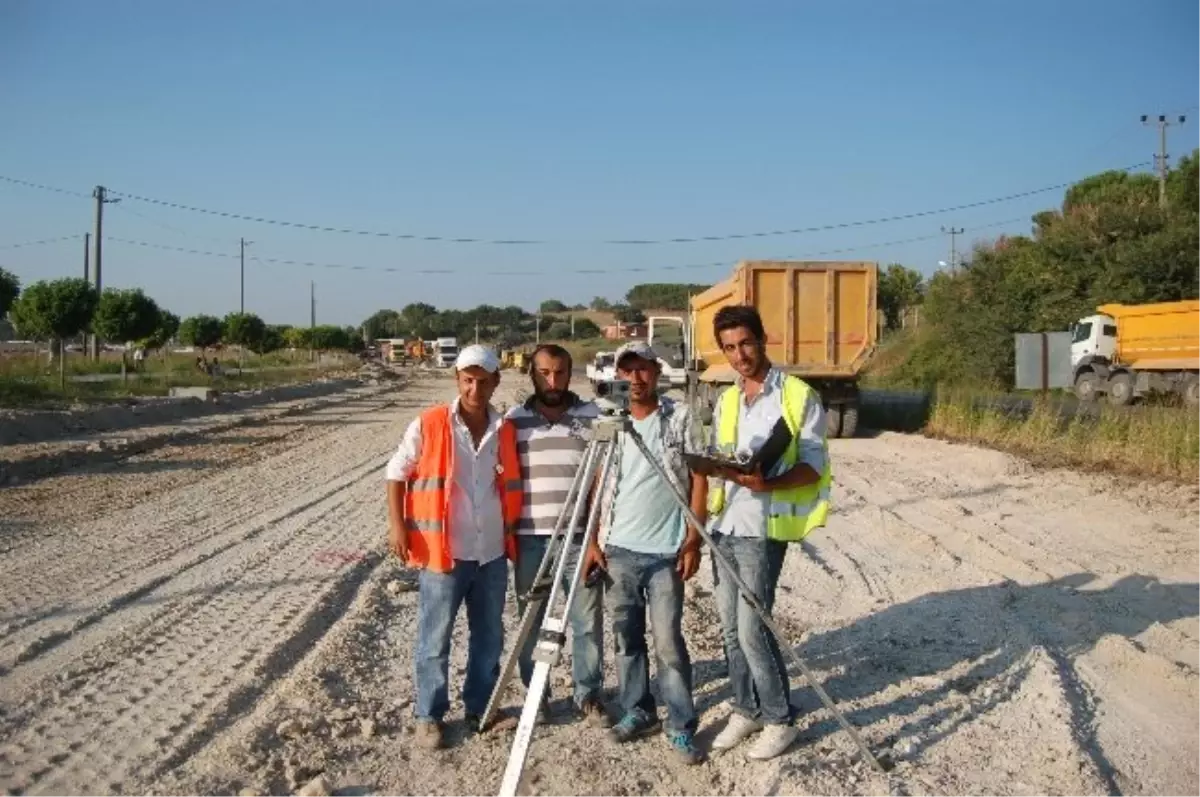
(849, 420)
(1086, 384)
(833, 421)
(1120, 389)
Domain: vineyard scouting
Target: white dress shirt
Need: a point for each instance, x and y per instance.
(476, 522)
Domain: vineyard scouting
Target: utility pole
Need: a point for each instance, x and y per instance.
(87, 246)
(953, 233)
(477, 330)
(538, 333)
(101, 197)
(1161, 157)
(572, 326)
(312, 320)
(242, 303)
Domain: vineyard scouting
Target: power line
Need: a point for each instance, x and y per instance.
(60, 239)
(28, 184)
(543, 272)
(617, 241)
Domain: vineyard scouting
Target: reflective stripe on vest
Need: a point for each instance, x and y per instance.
(427, 500)
(794, 512)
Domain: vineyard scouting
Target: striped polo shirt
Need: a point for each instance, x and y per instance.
(550, 454)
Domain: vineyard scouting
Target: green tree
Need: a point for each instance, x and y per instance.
(899, 289)
(628, 315)
(559, 330)
(273, 338)
(201, 331)
(243, 329)
(662, 295)
(10, 288)
(54, 311)
(164, 330)
(124, 316)
(384, 324)
(552, 306)
(600, 304)
(586, 328)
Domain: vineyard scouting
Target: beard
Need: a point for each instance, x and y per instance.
(550, 398)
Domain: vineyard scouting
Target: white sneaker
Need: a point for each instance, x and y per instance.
(737, 731)
(773, 742)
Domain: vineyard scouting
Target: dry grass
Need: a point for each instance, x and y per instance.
(1145, 441)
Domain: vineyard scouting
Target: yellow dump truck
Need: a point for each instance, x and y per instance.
(1131, 350)
(820, 320)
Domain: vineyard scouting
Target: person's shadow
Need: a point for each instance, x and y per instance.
(994, 631)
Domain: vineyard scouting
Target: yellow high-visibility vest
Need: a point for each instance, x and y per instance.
(795, 511)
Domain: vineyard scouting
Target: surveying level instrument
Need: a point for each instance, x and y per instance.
(565, 545)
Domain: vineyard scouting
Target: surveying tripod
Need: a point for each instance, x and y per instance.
(599, 459)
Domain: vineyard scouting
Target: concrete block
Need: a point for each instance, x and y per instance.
(202, 393)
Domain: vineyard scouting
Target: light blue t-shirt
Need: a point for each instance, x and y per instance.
(645, 518)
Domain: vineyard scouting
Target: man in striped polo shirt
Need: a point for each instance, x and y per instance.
(551, 451)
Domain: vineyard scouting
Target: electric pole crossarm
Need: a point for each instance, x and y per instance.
(1161, 158)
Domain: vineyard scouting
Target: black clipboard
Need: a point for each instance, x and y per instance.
(766, 456)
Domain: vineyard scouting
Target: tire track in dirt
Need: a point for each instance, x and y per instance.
(192, 652)
(71, 586)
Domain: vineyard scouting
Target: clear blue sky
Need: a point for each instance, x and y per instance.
(564, 121)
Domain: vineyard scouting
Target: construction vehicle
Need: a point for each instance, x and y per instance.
(445, 352)
(602, 368)
(1128, 351)
(820, 320)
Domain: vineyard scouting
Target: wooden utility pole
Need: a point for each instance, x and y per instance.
(312, 321)
(953, 233)
(100, 195)
(1161, 157)
(87, 245)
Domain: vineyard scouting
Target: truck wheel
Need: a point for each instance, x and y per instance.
(1120, 389)
(1191, 390)
(833, 421)
(849, 420)
(1085, 386)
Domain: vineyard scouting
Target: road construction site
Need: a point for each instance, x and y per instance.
(199, 601)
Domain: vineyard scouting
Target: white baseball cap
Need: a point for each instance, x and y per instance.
(478, 356)
(636, 348)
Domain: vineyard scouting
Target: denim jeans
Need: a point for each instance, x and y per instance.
(587, 621)
(642, 582)
(757, 672)
(482, 587)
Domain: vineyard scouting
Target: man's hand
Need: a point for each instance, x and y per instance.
(687, 561)
(594, 557)
(398, 542)
(751, 481)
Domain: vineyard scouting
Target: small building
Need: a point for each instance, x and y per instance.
(619, 331)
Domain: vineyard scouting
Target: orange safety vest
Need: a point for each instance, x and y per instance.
(427, 500)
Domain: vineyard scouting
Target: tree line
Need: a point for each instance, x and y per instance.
(1110, 240)
(55, 311)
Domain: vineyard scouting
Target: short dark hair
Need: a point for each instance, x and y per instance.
(739, 315)
(555, 351)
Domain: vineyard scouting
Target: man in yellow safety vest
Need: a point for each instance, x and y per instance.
(752, 518)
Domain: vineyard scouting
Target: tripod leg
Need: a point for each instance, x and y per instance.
(537, 598)
(748, 595)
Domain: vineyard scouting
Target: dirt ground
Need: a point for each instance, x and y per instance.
(212, 612)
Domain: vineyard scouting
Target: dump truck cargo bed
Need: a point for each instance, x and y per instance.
(820, 320)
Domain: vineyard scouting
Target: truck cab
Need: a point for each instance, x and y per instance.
(668, 337)
(447, 352)
(1094, 337)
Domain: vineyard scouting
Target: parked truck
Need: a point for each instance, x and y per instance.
(1127, 351)
(820, 320)
(446, 352)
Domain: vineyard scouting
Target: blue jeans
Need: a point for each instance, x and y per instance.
(482, 587)
(757, 671)
(642, 582)
(587, 621)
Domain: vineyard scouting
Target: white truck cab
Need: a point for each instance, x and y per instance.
(446, 352)
(669, 337)
(1093, 337)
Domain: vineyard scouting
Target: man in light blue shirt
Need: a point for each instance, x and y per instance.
(649, 550)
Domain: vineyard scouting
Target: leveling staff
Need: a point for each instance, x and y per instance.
(454, 501)
(754, 516)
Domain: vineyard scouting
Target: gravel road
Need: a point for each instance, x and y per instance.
(212, 612)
